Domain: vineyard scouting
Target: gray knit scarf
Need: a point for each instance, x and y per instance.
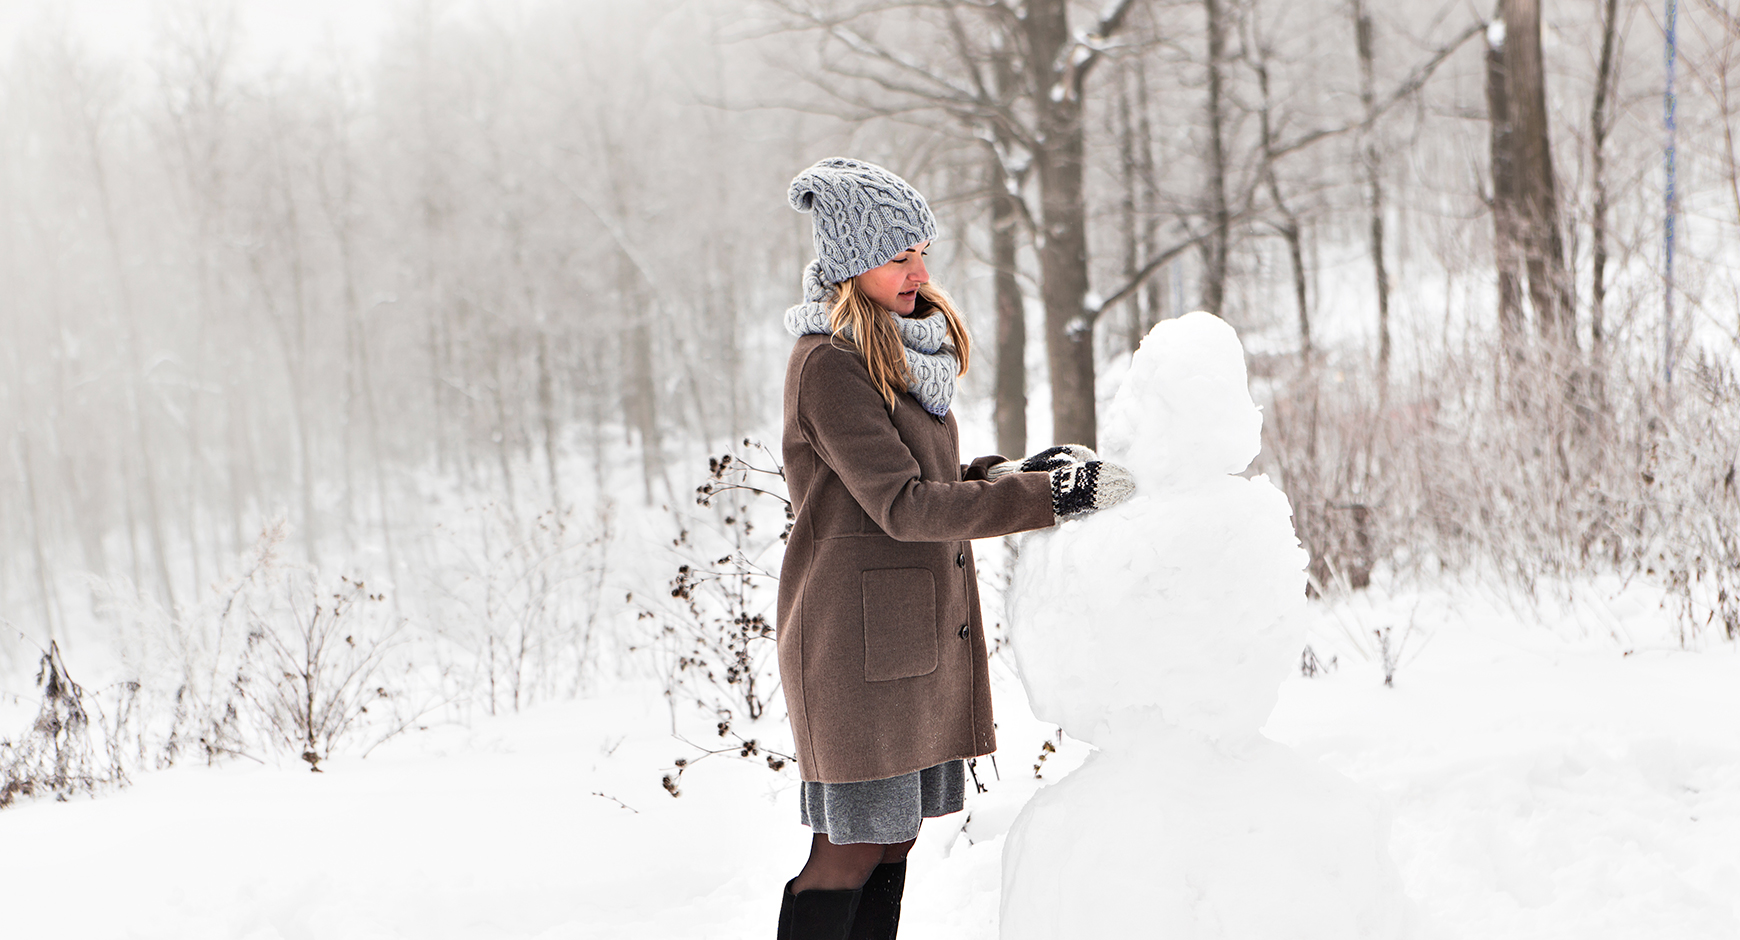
(929, 359)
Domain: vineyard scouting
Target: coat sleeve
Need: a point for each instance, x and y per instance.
(846, 421)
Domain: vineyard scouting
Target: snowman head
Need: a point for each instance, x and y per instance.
(1184, 414)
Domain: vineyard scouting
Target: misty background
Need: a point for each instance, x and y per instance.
(398, 348)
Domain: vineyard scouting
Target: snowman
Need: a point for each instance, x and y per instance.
(1160, 630)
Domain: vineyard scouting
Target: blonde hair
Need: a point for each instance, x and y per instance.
(871, 328)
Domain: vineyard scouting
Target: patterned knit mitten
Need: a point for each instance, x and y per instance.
(1050, 458)
(1079, 489)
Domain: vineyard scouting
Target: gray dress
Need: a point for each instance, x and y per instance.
(883, 811)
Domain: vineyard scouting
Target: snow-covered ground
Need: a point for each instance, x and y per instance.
(1543, 783)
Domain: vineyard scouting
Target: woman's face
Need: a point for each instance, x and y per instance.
(895, 284)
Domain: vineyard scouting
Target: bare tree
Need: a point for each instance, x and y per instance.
(336, 180)
(1730, 23)
(1004, 177)
(1258, 53)
(278, 236)
(1216, 247)
(1600, 126)
(1371, 163)
(92, 104)
(1059, 63)
(1537, 193)
(1506, 236)
(198, 99)
(1201, 218)
(1056, 59)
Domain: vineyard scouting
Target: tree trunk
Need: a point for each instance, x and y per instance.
(1156, 288)
(195, 486)
(376, 456)
(599, 355)
(641, 395)
(141, 438)
(33, 510)
(304, 459)
(359, 382)
(89, 526)
(1600, 122)
(134, 358)
(547, 416)
(432, 215)
(1289, 227)
(348, 407)
(1010, 404)
(1063, 258)
(204, 50)
(1220, 218)
(1010, 401)
(135, 569)
(1538, 202)
(296, 352)
(289, 331)
(1371, 163)
(1506, 250)
(242, 459)
(1135, 253)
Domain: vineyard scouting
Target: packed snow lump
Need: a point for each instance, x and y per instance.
(1160, 630)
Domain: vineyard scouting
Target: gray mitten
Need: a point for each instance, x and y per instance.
(1079, 489)
(1050, 458)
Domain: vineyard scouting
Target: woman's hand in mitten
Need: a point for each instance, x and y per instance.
(1082, 488)
(1050, 458)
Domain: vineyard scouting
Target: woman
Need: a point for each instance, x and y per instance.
(881, 650)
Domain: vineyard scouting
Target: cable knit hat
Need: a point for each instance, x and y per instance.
(864, 215)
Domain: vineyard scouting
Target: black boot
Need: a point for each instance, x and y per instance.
(816, 914)
(879, 908)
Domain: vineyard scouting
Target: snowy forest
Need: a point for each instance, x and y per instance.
(410, 384)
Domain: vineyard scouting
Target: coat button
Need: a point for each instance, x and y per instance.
(961, 560)
(966, 628)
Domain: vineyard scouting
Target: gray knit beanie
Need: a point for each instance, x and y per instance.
(864, 215)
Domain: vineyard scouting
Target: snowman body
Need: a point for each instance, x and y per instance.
(1160, 630)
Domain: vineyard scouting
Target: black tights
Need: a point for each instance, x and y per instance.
(833, 867)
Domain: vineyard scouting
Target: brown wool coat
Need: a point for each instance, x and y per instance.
(881, 649)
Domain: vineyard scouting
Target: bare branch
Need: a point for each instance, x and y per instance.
(863, 46)
(1247, 209)
(1408, 87)
(959, 32)
(998, 10)
(947, 102)
(1146, 271)
(1108, 25)
(968, 105)
(840, 29)
(1729, 21)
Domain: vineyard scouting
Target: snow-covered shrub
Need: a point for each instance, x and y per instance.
(277, 661)
(314, 665)
(1526, 463)
(714, 636)
(54, 755)
(1321, 447)
(1693, 504)
(182, 672)
(521, 598)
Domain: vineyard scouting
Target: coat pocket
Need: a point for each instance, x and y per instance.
(899, 623)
